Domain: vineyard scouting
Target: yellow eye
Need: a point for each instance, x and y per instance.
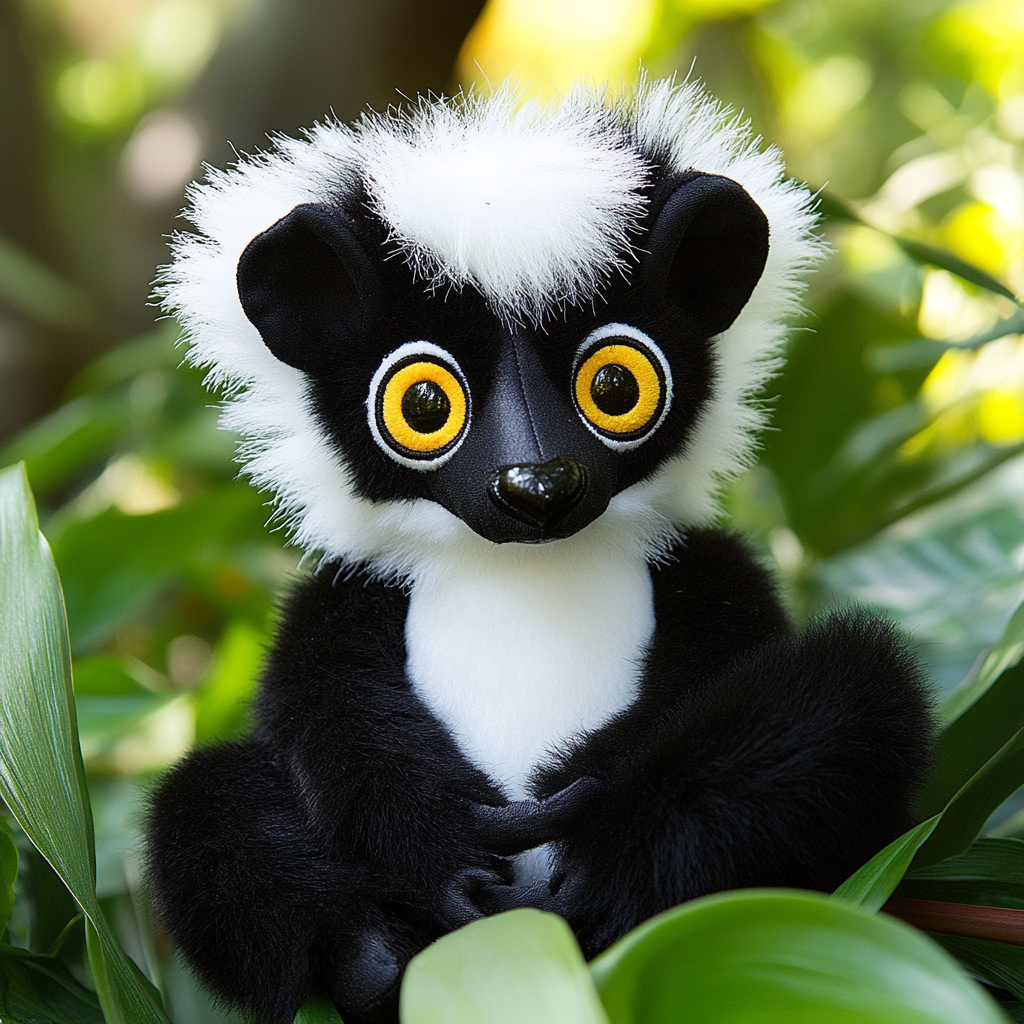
(621, 390)
(421, 408)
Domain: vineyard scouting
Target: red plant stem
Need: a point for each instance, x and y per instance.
(996, 923)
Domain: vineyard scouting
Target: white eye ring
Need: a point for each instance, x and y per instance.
(648, 346)
(433, 352)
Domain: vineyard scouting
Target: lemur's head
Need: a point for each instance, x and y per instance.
(518, 320)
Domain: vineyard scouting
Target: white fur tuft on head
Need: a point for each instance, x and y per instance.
(535, 206)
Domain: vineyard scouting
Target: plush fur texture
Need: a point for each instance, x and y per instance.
(528, 673)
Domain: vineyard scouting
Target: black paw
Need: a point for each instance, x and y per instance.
(526, 824)
(365, 987)
(458, 902)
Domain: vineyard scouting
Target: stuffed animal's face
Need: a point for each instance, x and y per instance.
(520, 316)
(524, 432)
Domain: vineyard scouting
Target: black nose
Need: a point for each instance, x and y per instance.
(538, 493)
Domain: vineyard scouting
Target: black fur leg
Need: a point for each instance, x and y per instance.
(249, 898)
(791, 769)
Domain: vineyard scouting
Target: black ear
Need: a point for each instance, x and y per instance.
(707, 249)
(307, 284)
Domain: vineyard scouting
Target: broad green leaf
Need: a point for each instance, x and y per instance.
(41, 775)
(8, 873)
(996, 962)
(963, 817)
(945, 260)
(508, 969)
(875, 882)
(318, 1011)
(766, 956)
(38, 989)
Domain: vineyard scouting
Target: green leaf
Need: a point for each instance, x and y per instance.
(998, 963)
(508, 969)
(875, 882)
(41, 775)
(64, 443)
(987, 860)
(952, 582)
(38, 989)
(318, 1011)
(964, 816)
(989, 874)
(8, 873)
(113, 564)
(1005, 654)
(925, 352)
(945, 260)
(221, 705)
(974, 736)
(766, 956)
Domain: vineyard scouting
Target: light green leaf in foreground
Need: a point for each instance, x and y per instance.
(318, 1011)
(764, 956)
(874, 883)
(521, 967)
(41, 775)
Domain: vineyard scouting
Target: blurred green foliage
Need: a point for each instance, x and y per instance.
(892, 474)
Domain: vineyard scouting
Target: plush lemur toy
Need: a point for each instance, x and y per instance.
(495, 360)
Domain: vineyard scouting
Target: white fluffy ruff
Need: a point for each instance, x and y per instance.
(534, 206)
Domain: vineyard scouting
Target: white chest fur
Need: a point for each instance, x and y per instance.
(517, 655)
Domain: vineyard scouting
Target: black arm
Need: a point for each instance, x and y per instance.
(381, 779)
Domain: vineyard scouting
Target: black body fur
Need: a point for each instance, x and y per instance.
(350, 831)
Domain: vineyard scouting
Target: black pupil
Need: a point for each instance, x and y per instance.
(614, 390)
(425, 407)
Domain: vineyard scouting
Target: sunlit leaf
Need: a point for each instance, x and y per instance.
(925, 352)
(946, 260)
(41, 775)
(772, 955)
(508, 969)
(875, 882)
